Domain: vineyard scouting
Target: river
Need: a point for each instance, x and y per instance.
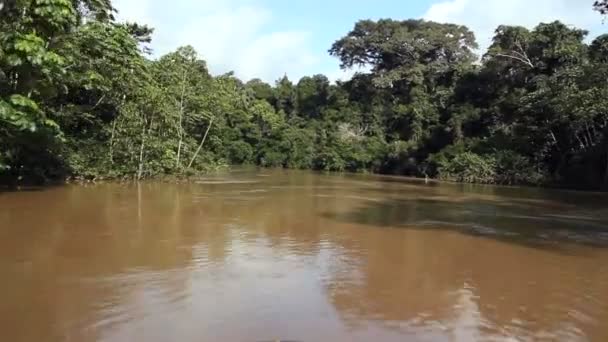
(263, 255)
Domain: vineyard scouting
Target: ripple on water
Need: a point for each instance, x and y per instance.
(246, 261)
(225, 181)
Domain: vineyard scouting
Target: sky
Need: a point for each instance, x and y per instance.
(268, 39)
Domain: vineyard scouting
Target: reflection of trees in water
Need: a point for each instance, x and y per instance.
(74, 254)
(80, 258)
(532, 222)
(469, 285)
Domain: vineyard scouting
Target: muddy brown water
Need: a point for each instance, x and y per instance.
(262, 255)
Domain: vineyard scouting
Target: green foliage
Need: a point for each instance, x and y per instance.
(299, 148)
(512, 168)
(240, 152)
(80, 98)
(467, 167)
(601, 6)
(458, 163)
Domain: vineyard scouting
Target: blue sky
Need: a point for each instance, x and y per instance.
(270, 38)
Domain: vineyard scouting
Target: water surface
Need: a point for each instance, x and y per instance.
(256, 255)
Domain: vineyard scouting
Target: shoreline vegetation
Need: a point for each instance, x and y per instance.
(82, 98)
(211, 177)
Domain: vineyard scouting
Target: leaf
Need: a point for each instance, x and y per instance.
(14, 60)
(24, 103)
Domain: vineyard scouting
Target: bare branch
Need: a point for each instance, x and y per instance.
(198, 150)
(525, 60)
(99, 102)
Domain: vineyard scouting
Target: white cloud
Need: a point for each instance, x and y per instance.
(241, 35)
(484, 16)
(231, 35)
(275, 54)
(133, 11)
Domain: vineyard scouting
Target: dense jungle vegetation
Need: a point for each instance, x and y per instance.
(81, 96)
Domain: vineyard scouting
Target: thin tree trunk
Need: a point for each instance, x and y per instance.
(591, 143)
(555, 140)
(198, 150)
(141, 152)
(142, 147)
(99, 101)
(181, 127)
(15, 81)
(585, 137)
(114, 127)
(580, 141)
(112, 142)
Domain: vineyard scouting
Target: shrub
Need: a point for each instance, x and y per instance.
(467, 167)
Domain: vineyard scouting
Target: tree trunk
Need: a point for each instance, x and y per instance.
(589, 135)
(142, 146)
(181, 127)
(201, 144)
(112, 142)
(580, 141)
(114, 129)
(141, 152)
(555, 140)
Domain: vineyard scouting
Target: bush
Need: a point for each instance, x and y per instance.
(501, 167)
(329, 160)
(272, 159)
(240, 152)
(467, 167)
(298, 144)
(365, 155)
(513, 168)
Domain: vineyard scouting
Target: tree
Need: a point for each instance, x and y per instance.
(185, 79)
(537, 104)
(260, 89)
(406, 50)
(80, 97)
(35, 60)
(312, 94)
(285, 97)
(601, 6)
(418, 63)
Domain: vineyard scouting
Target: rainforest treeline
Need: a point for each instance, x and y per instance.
(81, 97)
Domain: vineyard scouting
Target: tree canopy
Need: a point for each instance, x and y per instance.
(81, 97)
(601, 6)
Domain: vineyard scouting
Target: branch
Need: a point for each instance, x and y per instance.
(198, 150)
(525, 60)
(99, 102)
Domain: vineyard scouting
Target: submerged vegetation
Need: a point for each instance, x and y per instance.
(80, 96)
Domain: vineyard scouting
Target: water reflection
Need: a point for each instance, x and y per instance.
(263, 255)
(539, 222)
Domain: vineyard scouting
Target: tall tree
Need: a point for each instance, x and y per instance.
(186, 79)
(418, 62)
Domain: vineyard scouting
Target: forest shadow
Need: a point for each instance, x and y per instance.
(536, 226)
(8, 189)
(504, 194)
